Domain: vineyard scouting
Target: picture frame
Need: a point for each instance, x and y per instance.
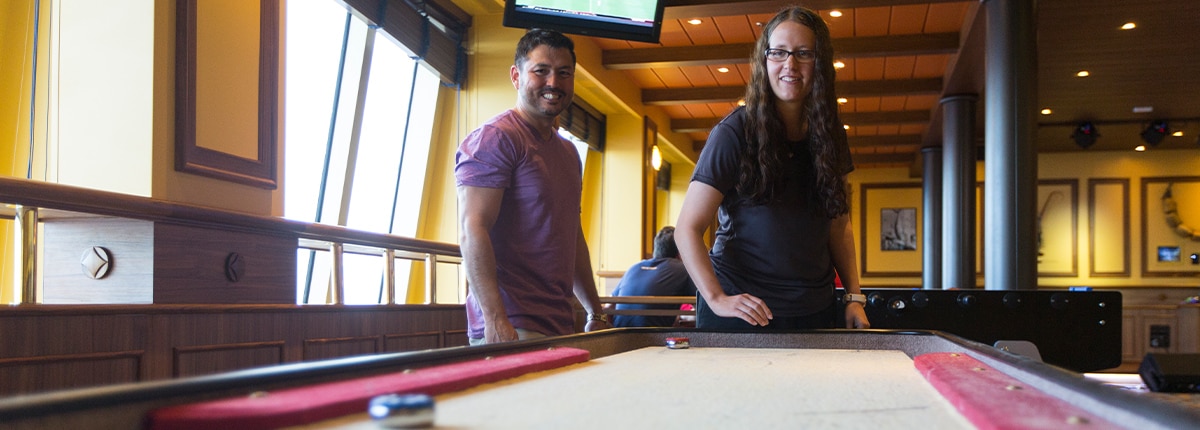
(1165, 217)
(873, 200)
(211, 101)
(1108, 217)
(1057, 228)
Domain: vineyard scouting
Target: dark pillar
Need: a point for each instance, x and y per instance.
(1010, 182)
(958, 189)
(931, 233)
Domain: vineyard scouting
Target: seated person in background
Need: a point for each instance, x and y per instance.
(663, 275)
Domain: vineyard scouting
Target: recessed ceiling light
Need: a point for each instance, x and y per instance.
(1178, 133)
(723, 69)
(741, 102)
(1083, 73)
(1140, 148)
(846, 126)
(835, 13)
(1128, 26)
(694, 21)
(1047, 111)
(843, 100)
(839, 65)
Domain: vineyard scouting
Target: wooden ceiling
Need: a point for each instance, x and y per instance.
(901, 56)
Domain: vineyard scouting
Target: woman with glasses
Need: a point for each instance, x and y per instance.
(774, 172)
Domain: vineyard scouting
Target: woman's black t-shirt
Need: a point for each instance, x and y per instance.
(779, 250)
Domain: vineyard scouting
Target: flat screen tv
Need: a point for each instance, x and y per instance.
(637, 20)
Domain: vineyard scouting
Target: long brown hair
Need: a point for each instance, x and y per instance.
(766, 138)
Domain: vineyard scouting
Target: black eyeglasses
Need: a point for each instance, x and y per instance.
(780, 55)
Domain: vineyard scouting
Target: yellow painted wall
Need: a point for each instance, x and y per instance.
(621, 217)
(1135, 166)
(16, 46)
(101, 85)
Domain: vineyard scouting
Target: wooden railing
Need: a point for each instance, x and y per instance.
(33, 203)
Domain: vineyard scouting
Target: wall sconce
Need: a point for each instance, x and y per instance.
(1085, 135)
(1154, 133)
(655, 158)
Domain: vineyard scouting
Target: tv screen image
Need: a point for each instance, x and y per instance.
(635, 20)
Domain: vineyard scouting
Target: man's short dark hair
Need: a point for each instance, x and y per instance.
(664, 243)
(536, 37)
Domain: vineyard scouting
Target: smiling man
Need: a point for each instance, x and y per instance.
(519, 186)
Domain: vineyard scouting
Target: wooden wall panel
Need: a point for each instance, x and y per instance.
(324, 349)
(456, 338)
(53, 347)
(412, 341)
(208, 359)
(131, 265)
(45, 373)
(190, 266)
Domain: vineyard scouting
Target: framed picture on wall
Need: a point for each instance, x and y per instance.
(1056, 231)
(1109, 246)
(890, 229)
(1170, 226)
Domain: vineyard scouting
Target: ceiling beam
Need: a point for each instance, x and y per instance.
(681, 96)
(703, 125)
(685, 9)
(880, 118)
(894, 158)
(848, 89)
(707, 55)
(898, 140)
(884, 140)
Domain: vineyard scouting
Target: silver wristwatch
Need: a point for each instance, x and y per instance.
(855, 298)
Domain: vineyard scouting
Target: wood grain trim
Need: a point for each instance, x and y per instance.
(127, 309)
(734, 53)
(136, 355)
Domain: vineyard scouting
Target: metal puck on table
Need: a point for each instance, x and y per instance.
(678, 343)
(402, 410)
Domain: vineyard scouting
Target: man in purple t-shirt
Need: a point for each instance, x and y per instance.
(519, 186)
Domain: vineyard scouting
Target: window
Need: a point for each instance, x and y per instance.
(356, 149)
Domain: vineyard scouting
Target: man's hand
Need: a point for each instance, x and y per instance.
(498, 331)
(594, 325)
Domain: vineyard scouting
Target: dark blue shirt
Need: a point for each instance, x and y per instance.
(653, 277)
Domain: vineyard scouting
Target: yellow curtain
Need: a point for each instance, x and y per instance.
(17, 45)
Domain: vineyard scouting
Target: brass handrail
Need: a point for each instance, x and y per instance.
(31, 201)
